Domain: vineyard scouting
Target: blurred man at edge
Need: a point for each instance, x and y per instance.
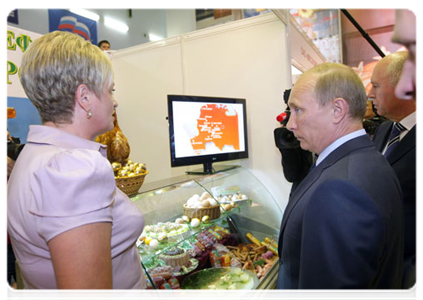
(405, 34)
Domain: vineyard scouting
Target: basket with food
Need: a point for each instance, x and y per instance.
(129, 176)
(201, 206)
(130, 185)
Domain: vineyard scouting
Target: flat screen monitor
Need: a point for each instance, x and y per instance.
(204, 130)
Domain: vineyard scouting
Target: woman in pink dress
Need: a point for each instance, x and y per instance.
(70, 226)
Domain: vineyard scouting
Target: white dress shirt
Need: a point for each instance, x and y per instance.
(342, 140)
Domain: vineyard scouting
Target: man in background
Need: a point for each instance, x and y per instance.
(104, 45)
(400, 150)
(296, 162)
(342, 227)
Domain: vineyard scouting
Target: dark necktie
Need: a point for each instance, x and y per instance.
(315, 157)
(394, 138)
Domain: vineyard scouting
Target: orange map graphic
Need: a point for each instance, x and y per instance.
(215, 125)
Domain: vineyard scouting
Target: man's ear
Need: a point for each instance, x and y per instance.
(340, 109)
(83, 96)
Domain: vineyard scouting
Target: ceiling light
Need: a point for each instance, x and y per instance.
(154, 37)
(85, 13)
(114, 24)
(295, 71)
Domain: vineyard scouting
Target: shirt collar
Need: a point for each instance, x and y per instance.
(409, 121)
(337, 143)
(42, 134)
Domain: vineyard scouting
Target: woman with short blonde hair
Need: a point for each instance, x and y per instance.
(69, 225)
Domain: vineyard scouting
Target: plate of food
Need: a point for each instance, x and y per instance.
(221, 279)
(179, 260)
(186, 269)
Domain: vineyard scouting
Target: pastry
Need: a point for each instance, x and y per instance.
(175, 257)
(168, 229)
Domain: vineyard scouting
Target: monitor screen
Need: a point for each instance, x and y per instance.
(204, 130)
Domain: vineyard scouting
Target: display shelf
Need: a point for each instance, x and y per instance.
(148, 254)
(252, 210)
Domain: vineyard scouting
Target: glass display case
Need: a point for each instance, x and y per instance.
(197, 227)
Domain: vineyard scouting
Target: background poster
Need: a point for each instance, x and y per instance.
(322, 26)
(18, 41)
(201, 14)
(64, 20)
(210, 17)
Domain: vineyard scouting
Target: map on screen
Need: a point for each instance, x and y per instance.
(207, 128)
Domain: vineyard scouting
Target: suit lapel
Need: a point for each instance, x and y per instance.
(404, 146)
(340, 152)
(382, 134)
(299, 191)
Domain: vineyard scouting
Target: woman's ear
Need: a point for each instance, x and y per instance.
(82, 97)
(340, 109)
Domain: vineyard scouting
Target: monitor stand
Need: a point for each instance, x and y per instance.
(209, 169)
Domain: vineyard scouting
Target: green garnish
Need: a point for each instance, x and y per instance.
(260, 262)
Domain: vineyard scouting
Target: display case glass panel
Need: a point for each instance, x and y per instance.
(199, 223)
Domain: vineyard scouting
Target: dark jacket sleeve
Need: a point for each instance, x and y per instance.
(342, 238)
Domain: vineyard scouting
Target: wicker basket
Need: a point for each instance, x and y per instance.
(130, 184)
(213, 212)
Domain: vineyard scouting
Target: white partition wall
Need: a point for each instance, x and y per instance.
(244, 59)
(144, 76)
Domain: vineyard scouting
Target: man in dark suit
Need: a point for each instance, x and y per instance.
(402, 154)
(342, 227)
(295, 161)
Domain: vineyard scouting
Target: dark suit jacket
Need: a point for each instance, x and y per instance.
(342, 227)
(403, 161)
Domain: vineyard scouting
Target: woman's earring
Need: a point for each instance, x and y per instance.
(89, 114)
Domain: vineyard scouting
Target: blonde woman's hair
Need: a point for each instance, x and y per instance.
(335, 80)
(54, 66)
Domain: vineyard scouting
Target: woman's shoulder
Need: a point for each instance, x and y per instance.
(76, 171)
(83, 161)
(73, 182)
